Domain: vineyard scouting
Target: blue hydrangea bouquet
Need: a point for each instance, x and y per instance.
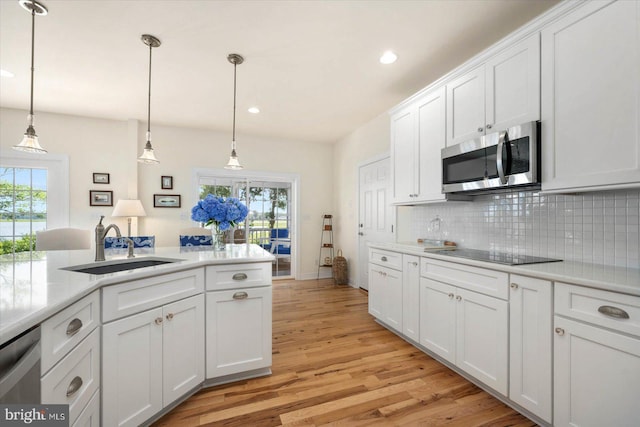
(221, 212)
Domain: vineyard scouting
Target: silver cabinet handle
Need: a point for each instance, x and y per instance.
(158, 320)
(450, 296)
(360, 233)
(514, 286)
(73, 327)
(489, 126)
(480, 129)
(415, 264)
(503, 139)
(240, 295)
(74, 386)
(459, 298)
(169, 316)
(239, 276)
(615, 312)
(384, 258)
(560, 331)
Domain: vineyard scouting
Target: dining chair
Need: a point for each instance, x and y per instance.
(195, 236)
(65, 238)
(138, 242)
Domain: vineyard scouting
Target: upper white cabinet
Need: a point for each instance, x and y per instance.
(417, 136)
(503, 92)
(590, 91)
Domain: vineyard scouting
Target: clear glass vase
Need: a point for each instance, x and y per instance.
(218, 239)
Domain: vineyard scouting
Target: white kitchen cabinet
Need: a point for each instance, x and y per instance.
(150, 359)
(466, 328)
(530, 341)
(590, 108)
(503, 92)
(411, 297)
(596, 357)
(238, 330)
(385, 287)
(404, 160)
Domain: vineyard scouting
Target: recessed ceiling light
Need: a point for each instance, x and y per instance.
(388, 57)
(254, 110)
(5, 73)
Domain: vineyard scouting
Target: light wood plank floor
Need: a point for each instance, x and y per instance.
(332, 364)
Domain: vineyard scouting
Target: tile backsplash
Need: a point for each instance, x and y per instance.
(599, 228)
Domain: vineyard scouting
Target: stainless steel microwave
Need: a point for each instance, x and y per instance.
(498, 160)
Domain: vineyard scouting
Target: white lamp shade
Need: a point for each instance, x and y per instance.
(30, 144)
(129, 208)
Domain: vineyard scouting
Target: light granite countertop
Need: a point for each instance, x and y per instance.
(605, 277)
(33, 287)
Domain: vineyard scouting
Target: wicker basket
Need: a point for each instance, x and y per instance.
(340, 275)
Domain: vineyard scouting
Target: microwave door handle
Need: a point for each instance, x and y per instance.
(504, 137)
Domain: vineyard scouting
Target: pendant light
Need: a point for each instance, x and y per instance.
(147, 155)
(30, 142)
(233, 163)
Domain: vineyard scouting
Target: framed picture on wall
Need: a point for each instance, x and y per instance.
(166, 182)
(166, 200)
(100, 198)
(101, 178)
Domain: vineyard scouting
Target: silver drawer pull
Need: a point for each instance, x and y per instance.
(459, 298)
(415, 264)
(73, 327)
(169, 316)
(240, 295)
(239, 276)
(158, 321)
(384, 258)
(450, 295)
(560, 331)
(614, 312)
(74, 386)
(514, 286)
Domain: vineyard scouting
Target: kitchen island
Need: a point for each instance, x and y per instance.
(125, 347)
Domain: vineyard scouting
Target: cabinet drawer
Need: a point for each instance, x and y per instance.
(385, 258)
(482, 280)
(76, 378)
(235, 276)
(609, 309)
(60, 333)
(139, 295)
(90, 417)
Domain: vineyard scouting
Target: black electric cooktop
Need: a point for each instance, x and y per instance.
(495, 257)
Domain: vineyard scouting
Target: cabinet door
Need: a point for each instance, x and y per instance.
(438, 318)
(411, 297)
(132, 369)
(590, 108)
(482, 338)
(513, 86)
(183, 347)
(238, 331)
(465, 107)
(530, 338)
(431, 136)
(375, 291)
(595, 376)
(403, 157)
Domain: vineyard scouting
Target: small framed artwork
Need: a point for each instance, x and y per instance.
(100, 198)
(101, 178)
(166, 182)
(166, 200)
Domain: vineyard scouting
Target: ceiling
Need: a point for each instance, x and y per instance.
(310, 66)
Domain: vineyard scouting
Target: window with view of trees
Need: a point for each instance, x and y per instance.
(23, 207)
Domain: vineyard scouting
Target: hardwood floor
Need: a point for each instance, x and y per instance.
(332, 364)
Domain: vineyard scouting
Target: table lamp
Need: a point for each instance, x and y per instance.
(129, 208)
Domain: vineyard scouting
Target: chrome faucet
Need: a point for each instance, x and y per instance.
(101, 233)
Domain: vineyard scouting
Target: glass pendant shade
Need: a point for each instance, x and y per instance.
(148, 156)
(30, 142)
(233, 162)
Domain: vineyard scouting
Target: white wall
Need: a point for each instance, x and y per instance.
(368, 141)
(111, 146)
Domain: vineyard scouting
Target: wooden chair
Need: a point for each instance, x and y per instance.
(63, 239)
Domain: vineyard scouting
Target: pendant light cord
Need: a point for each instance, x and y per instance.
(33, 35)
(149, 106)
(235, 64)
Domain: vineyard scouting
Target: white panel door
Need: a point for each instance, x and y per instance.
(411, 297)
(132, 369)
(465, 107)
(513, 85)
(438, 318)
(403, 155)
(530, 339)
(431, 112)
(596, 376)
(590, 91)
(238, 331)
(482, 338)
(376, 214)
(183, 347)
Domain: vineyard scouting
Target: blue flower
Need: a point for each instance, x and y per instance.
(224, 213)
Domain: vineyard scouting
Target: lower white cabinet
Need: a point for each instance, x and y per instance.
(238, 330)
(530, 340)
(90, 416)
(466, 328)
(150, 359)
(411, 297)
(385, 295)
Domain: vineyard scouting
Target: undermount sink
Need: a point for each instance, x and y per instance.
(114, 266)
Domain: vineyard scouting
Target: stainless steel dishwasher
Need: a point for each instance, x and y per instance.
(20, 368)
